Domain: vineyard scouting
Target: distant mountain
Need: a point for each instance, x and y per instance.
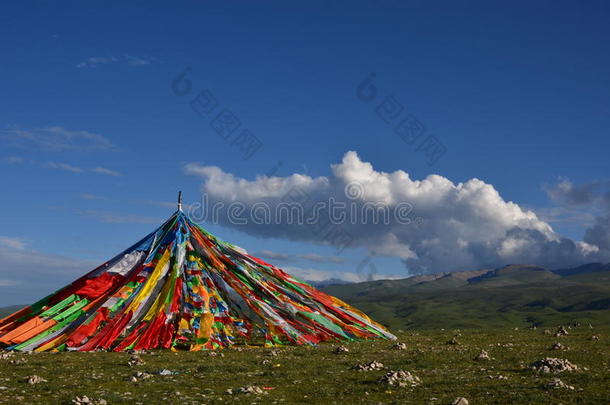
(330, 281)
(5, 311)
(584, 269)
(515, 295)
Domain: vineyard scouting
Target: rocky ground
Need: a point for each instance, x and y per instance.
(511, 366)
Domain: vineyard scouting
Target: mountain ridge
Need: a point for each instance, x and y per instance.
(513, 295)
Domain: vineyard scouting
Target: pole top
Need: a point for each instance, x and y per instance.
(180, 201)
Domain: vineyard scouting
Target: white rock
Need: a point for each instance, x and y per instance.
(34, 379)
(553, 365)
(400, 378)
(373, 365)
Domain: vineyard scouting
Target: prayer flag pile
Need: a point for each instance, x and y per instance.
(181, 288)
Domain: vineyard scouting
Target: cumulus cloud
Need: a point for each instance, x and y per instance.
(450, 227)
(599, 234)
(566, 215)
(566, 193)
(592, 202)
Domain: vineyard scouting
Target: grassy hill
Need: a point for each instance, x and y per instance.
(513, 296)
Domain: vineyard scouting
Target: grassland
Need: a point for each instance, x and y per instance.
(493, 311)
(319, 376)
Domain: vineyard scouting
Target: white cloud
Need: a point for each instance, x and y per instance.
(599, 234)
(566, 215)
(96, 61)
(56, 139)
(88, 196)
(283, 257)
(14, 243)
(568, 194)
(117, 218)
(130, 60)
(271, 255)
(459, 226)
(138, 60)
(314, 257)
(309, 274)
(40, 273)
(8, 283)
(14, 160)
(65, 167)
(75, 169)
(589, 205)
(103, 170)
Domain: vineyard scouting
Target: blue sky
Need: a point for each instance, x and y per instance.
(94, 142)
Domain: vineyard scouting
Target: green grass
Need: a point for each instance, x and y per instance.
(318, 376)
(487, 309)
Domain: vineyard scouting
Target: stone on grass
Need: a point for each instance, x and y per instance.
(135, 360)
(556, 384)
(399, 346)
(140, 376)
(400, 378)
(453, 341)
(89, 401)
(561, 331)
(594, 338)
(340, 349)
(559, 346)
(460, 401)
(553, 365)
(247, 390)
(372, 366)
(34, 379)
(482, 356)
